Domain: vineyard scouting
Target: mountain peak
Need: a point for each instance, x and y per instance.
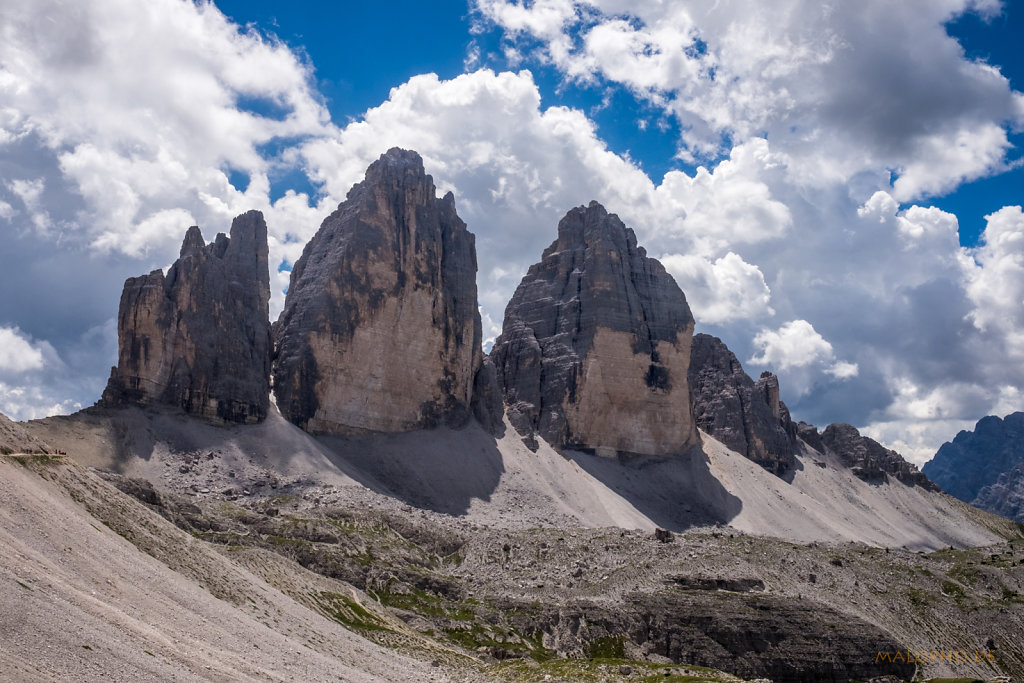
(595, 346)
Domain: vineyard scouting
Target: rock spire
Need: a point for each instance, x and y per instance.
(199, 336)
(746, 416)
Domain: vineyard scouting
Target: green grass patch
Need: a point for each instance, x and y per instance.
(606, 670)
(918, 596)
(347, 612)
(965, 573)
(426, 604)
(607, 648)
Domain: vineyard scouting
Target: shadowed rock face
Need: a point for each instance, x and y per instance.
(870, 460)
(1005, 496)
(595, 346)
(199, 337)
(380, 330)
(974, 460)
(747, 417)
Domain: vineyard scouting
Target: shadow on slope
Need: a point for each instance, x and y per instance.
(442, 469)
(675, 493)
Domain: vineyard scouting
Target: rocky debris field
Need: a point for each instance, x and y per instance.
(531, 603)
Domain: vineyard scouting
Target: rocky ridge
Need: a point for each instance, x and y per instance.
(870, 460)
(380, 330)
(976, 459)
(595, 346)
(198, 338)
(747, 417)
(15, 439)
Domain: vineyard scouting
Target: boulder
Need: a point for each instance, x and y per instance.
(380, 329)
(595, 346)
(199, 337)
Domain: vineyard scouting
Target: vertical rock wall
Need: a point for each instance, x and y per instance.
(746, 416)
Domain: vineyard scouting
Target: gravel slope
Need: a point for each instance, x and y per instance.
(500, 482)
(80, 602)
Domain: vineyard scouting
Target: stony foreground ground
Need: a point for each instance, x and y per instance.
(153, 584)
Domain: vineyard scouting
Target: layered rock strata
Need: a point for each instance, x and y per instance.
(747, 417)
(199, 336)
(870, 460)
(595, 346)
(380, 330)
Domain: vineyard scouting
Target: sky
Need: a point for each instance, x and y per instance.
(836, 187)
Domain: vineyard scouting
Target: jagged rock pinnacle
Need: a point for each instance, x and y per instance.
(199, 337)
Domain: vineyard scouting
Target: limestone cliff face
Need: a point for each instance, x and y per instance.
(199, 337)
(380, 330)
(595, 346)
(746, 416)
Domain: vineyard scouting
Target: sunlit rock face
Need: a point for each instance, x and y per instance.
(595, 346)
(199, 337)
(380, 330)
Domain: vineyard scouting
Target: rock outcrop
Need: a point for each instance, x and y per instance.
(380, 329)
(747, 417)
(199, 336)
(808, 433)
(974, 460)
(595, 346)
(870, 460)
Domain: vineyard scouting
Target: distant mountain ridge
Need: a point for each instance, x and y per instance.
(985, 467)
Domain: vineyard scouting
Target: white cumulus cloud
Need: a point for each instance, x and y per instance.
(18, 354)
(796, 347)
(841, 88)
(721, 291)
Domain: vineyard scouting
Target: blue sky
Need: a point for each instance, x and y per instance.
(997, 41)
(836, 188)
